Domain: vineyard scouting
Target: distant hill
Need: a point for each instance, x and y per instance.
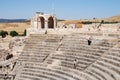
(113, 18)
(109, 19)
(12, 20)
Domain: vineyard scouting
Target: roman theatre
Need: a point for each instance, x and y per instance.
(55, 50)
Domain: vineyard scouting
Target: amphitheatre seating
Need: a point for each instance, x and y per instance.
(39, 47)
(51, 57)
(107, 67)
(43, 72)
(74, 47)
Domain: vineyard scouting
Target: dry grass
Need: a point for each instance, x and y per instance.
(71, 21)
(77, 22)
(19, 27)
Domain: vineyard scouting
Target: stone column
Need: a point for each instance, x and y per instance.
(35, 24)
(46, 23)
(38, 25)
(55, 22)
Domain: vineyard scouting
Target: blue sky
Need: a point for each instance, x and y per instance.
(64, 9)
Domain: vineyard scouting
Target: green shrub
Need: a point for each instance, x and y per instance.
(86, 22)
(13, 33)
(3, 33)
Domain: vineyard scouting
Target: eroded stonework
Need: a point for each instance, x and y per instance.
(43, 22)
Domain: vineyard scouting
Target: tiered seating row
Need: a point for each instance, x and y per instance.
(52, 73)
(37, 50)
(107, 67)
(95, 62)
(85, 55)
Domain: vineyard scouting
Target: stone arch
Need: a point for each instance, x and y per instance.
(42, 22)
(50, 22)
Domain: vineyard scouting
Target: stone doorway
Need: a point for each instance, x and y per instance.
(50, 22)
(42, 22)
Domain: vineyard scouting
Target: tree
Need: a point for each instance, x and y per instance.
(13, 33)
(102, 21)
(24, 34)
(3, 33)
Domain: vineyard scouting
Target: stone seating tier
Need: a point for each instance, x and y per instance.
(52, 58)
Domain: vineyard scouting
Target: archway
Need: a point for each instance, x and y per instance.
(50, 22)
(42, 22)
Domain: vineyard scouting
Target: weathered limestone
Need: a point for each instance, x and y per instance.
(51, 56)
(41, 22)
(62, 25)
